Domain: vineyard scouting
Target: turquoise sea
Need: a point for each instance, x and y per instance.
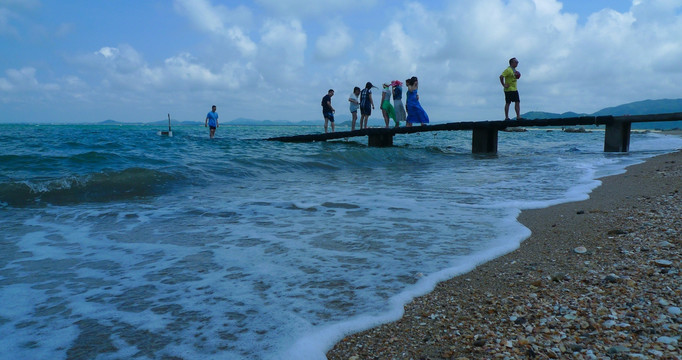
(117, 243)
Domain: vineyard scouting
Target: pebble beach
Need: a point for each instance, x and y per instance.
(597, 279)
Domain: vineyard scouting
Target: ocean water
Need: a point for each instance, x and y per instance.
(119, 243)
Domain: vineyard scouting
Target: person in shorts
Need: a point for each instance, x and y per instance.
(328, 110)
(211, 121)
(511, 94)
(366, 104)
(354, 105)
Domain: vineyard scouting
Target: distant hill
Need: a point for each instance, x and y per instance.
(173, 122)
(533, 115)
(644, 107)
(252, 122)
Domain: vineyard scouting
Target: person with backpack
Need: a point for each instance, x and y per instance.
(400, 114)
(366, 104)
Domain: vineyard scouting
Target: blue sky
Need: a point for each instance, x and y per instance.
(136, 61)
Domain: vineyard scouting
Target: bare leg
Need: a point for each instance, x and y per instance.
(325, 124)
(506, 111)
(517, 107)
(355, 117)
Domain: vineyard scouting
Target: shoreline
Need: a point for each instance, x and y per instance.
(598, 278)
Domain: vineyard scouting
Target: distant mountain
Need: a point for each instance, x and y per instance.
(173, 122)
(534, 115)
(644, 107)
(662, 106)
(252, 122)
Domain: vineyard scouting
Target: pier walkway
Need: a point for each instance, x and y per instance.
(484, 138)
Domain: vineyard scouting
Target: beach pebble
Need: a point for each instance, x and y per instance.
(663, 263)
(656, 353)
(559, 276)
(608, 324)
(616, 232)
(664, 244)
(580, 250)
(667, 340)
(618, 349)
(674, 310)
(576, 348)
(612, 278)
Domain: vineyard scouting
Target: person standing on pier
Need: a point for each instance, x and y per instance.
(415, 112)
(398, 102)
(328, 110)
(211, 121)
(387, 109)
(511, 94)
(354, 106)
(366, 104)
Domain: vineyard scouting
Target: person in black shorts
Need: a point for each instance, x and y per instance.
(366, 104)
(328, 110)
(511, 94)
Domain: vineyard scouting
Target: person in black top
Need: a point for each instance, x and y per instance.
(366, 104)
(328, 110)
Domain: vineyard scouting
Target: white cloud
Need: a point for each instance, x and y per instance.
(281, 51)
(334, 43)
(307, 8)
(125, 69)
(24, 80)
(221, 21)
(183, 70)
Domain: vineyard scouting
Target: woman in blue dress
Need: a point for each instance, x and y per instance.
(415, 112)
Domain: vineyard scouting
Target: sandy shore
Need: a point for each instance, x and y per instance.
(597, 279)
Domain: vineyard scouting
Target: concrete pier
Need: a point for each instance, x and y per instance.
(485, 133)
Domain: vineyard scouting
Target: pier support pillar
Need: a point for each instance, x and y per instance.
(380, 140)
(484, 141)
(617, 137)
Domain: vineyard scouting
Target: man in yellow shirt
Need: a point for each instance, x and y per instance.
(511, 94)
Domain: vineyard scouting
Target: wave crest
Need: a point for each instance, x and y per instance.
(99, 187)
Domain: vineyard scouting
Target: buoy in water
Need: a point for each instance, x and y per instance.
(168, 133)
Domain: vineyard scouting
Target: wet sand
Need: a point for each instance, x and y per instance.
(597, 279)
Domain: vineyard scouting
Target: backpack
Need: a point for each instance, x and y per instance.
(397, 92)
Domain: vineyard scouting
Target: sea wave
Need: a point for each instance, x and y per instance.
(100, 187)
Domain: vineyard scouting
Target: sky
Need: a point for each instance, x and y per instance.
(138, 60)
